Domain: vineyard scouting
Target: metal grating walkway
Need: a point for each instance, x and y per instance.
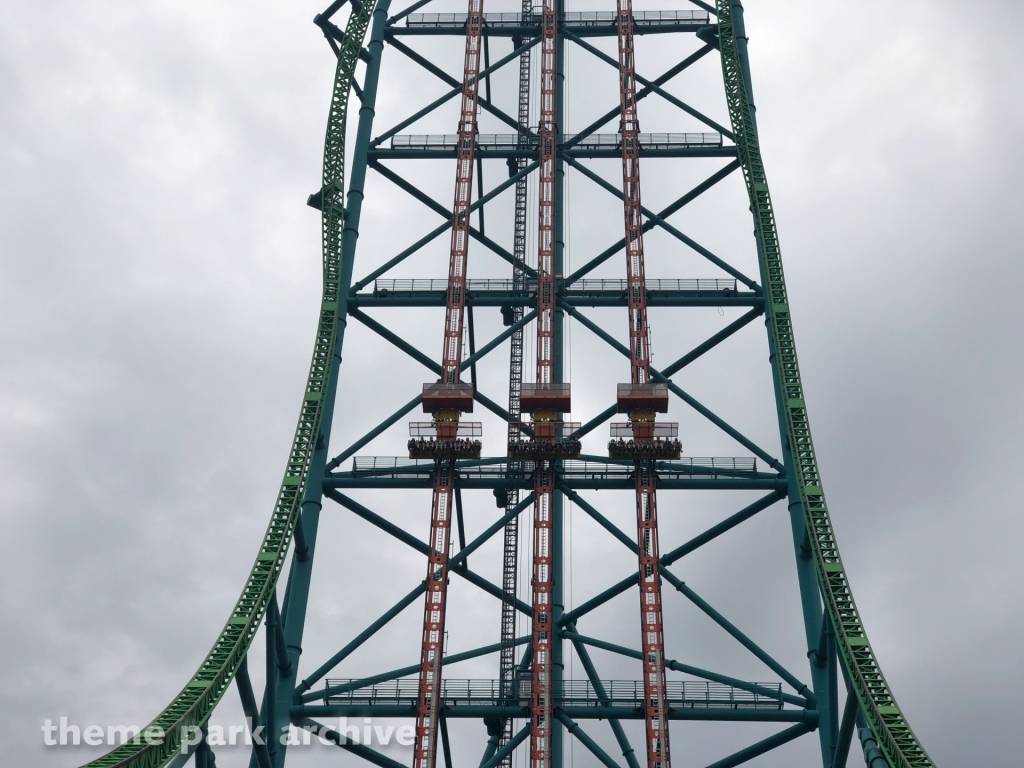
(690, 694)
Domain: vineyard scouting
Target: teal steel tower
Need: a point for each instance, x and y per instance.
(532, 708)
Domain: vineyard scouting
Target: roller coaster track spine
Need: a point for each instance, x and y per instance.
(891, 729)
(307, 458)
(194, 704)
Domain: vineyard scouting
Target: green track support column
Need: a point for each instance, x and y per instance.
(832, 675)
(810, 595)
(822, 577)
(810, 602)
(835, 640)
(297, 595)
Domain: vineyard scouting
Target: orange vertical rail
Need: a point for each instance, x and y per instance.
(541, 710)
(655, 705)
(435, 604)
(548, 135)
(433, 616)
(463, 197)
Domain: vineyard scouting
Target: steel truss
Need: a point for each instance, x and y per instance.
(535, 691)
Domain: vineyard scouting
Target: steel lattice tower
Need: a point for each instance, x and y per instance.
(534, 465)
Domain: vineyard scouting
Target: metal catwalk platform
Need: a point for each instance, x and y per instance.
(689, 694)
(589, 472)
(704, 174)
(582, 23)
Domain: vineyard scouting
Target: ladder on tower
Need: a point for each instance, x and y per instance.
(446, 400)
(641, 400)
(510, 553)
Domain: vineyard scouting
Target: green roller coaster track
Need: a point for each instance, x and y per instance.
(887, 722)
(193, 706)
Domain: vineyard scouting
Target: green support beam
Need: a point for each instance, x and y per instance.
(574, 728)
(765, 745)
(887, 723)
(834, 634)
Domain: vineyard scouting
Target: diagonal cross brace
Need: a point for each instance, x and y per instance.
(384, 677)
(458, 561)
(420, 357)
(451, 81)
(388, 422)
(675, 389)
(642, 93)
(680, 586)
(667, 559)
(653, 86)
(655, 219)
(453, 93)
(690, 196)
(437, 232)
(581, 641)
(439, 209)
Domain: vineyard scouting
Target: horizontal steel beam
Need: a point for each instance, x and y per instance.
(672, 664)
(394, 674)
(528, 30)
(347, 480)
(347, 744)
(611, 298)
(600, 712)
(610, 153)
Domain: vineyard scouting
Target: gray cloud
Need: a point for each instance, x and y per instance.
(159, 276)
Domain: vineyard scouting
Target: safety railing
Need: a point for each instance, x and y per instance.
(582, 469)
(545, 440)
(552, 430)
(572, 18)
(699, 285)
(555, 389)
(445, 430)
(639, 17)
(659, 430)
(441, 142)
(571, 693)
(386, 288)
(652, 140)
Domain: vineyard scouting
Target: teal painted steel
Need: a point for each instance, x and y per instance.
(765, 745)
(193, 705)
(586, 712)
(579, 641)
(574, 728)
(888, 725)
(835, 638)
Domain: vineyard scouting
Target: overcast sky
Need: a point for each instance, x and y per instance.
(159, 287)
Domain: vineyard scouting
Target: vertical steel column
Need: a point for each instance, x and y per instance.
(653, 638)
(810, 594)
(652, 633)
(629, 130)
(434, 607)
(557, 730)
(510, 562)
(544, 630)
(297, 591)
(548, 135)
(454, 313)
(541, 710)
(436, 598)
